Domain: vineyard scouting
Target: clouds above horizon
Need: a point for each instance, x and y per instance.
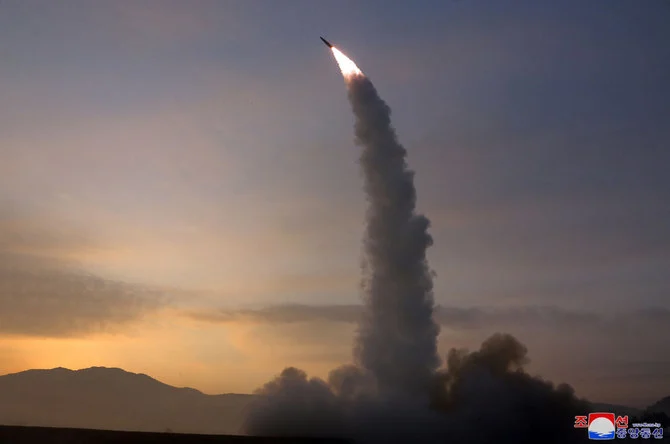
(48, 300)
(609, 356)
(44, 293)
(550, 317)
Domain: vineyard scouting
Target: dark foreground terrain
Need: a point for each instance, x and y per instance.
(52, 435)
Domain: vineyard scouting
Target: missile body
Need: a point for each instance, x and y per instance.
(326, 42)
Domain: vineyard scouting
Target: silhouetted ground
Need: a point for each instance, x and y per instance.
(52, 435)
(113, 399)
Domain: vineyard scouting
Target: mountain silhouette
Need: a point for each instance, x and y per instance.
(114, 399)
(661, 406)
(615, 408)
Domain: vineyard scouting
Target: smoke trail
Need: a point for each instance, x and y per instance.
(397, 339)
(395, 392)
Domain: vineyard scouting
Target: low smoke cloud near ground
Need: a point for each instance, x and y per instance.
(395, 390)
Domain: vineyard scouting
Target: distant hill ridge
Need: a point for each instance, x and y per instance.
(94, 374)
(114, 399)
(662, 406)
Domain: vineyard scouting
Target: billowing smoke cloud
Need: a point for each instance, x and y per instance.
(483, 396)
(397, 339)
(395, 391)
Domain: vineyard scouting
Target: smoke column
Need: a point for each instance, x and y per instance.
(395, 393)
(397, 339)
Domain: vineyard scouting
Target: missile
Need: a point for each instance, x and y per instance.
(326, 42)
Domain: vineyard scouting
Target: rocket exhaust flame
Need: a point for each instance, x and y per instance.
(395, 392)
(347, 66)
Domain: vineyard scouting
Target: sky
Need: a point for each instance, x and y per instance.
(180, 194)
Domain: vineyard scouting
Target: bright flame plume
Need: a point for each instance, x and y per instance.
(347, 66)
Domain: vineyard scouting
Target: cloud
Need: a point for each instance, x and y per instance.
(286, 331)
(45, 298)
(44, 293)
(23, 230)
(615, 356)
(282, 314)
(452, 317)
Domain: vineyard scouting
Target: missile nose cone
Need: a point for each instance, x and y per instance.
(326, 42)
